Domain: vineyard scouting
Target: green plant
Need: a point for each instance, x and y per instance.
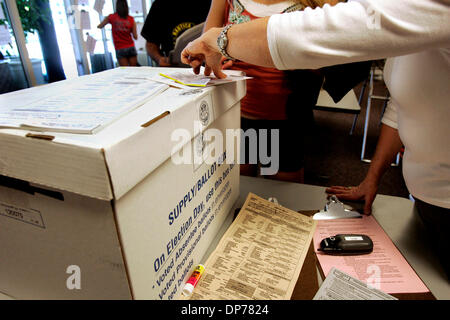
(3, 22)
(31, 14)
(2, 7)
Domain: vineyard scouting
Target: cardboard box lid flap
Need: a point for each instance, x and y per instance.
(109, 163)
(152, 143)
(56, 165)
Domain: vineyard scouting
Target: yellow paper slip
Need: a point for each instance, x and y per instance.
(186, 79)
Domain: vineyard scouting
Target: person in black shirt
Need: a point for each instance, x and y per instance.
(166, 21)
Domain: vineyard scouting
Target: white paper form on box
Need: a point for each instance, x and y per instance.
(187, 77)
(84, 107)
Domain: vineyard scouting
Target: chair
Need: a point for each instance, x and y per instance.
(348, 104)
(377, 66)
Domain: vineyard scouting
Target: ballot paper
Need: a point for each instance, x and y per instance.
(84, 107)
(260, 256)
(385, 268)
(188, 78)
(340, 286)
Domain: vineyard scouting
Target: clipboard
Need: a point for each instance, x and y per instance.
(334, 209)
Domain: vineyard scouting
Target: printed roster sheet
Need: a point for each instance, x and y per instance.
(260, 256)
(340, 286)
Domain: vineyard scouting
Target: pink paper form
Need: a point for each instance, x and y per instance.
(384, 266)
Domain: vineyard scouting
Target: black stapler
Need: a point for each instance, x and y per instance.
(347, 244)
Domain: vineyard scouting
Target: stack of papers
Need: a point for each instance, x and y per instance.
(260, 256)
(341, 286)
(82, 107)
(187, 77)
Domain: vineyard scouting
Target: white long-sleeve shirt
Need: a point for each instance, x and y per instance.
(417, 34)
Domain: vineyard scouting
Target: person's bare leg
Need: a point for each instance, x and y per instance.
(132, 61)
(123, 62)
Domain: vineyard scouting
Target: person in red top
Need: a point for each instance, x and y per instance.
(123, 26)
(270, 101)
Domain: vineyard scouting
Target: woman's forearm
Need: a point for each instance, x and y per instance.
(103, 23)
(322, 37)
(357, 31)
(246, 42)
(216, 15)
(134, 31)
(153, 51)
(389, 144)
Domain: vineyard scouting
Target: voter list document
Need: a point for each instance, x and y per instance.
(340, 286)
(82, 106)
(260, 256)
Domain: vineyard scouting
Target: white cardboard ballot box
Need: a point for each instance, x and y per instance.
(111, 215)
